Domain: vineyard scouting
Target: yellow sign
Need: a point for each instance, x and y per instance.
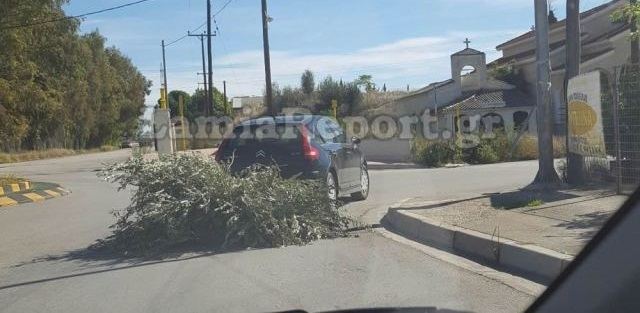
(582, 117)
(163, 99)
(585, 129)
(334, 108)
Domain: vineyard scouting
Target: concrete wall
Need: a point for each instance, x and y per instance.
(392, 150)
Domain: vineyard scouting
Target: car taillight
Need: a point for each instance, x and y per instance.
(309, 152)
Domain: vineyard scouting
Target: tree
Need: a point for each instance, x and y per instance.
(552, 16)
(328, 90)
(198, 103)
(307, 82)
(63, 89)
(351, 98)
(630, 14)
(366, 81)
(174, 110)
(384, 87)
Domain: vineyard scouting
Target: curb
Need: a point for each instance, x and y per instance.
(17, 187)
(527, 260)
(392, 166)
(14, 198)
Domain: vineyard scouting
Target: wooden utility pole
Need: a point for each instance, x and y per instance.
(207, 104)
(267, 60)
(211, 100)
(575, 162)
(164, 73)
(546, 170)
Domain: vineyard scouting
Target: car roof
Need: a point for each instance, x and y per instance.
(282, 119)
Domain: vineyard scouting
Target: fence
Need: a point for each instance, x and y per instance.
(621, 126)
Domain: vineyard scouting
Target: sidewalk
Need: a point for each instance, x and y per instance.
(550, 226)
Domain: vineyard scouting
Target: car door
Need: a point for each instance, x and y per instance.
(344, 154)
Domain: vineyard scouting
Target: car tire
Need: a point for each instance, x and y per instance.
(364, 184)
(332, 186)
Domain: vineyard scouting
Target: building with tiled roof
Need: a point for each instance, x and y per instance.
(604, 46)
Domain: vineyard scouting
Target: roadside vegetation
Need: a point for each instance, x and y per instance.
(47, 154)
(6, 179)
(188, 199)
(60, 89)
(436, 153)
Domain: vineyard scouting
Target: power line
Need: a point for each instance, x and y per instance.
(222, 8)
(201, 25)
(74, 16)
(175, 41)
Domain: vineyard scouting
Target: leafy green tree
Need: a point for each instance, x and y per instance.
(62, 89)
(198, 103)
(366, 81)
(174, 109)
(307, 82)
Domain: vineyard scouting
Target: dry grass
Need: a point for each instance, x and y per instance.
(47, 154)
(6, 179)
(372, 100)
(527, 148)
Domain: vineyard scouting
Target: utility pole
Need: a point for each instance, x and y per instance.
(204, 72)
(267, 59)
(575, 162)
(210, 59)
(546, 170)
(164, 72)
(224, 90)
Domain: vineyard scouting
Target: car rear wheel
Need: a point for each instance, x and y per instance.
(332, 187)
(364, 184)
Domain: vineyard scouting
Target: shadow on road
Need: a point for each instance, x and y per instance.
(589, 223)
(103, 261)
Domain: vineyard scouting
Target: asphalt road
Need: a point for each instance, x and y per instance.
(45, 267)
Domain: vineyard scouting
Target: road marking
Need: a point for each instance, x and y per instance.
(14, 187)
(52, 193)
(25, 185)
(33, 196)
(6, 201)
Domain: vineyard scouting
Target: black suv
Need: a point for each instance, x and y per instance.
(302, 146)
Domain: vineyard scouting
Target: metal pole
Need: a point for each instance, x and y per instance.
(164, 71)
(546, 169)
(210, 59)
(616, 129)
(224, 95)
(267, 59)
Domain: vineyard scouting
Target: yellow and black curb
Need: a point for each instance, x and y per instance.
(17, 187)
(30, 192)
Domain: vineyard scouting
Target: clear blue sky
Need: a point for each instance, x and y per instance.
(399, 42)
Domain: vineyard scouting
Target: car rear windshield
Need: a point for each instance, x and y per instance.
(274, 135)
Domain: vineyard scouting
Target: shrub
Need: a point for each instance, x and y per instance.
(190, 199)
(527, 148)
(431, 153)
(489, 150)
(486, 154)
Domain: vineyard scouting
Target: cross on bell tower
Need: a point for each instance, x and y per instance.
(467, 42)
